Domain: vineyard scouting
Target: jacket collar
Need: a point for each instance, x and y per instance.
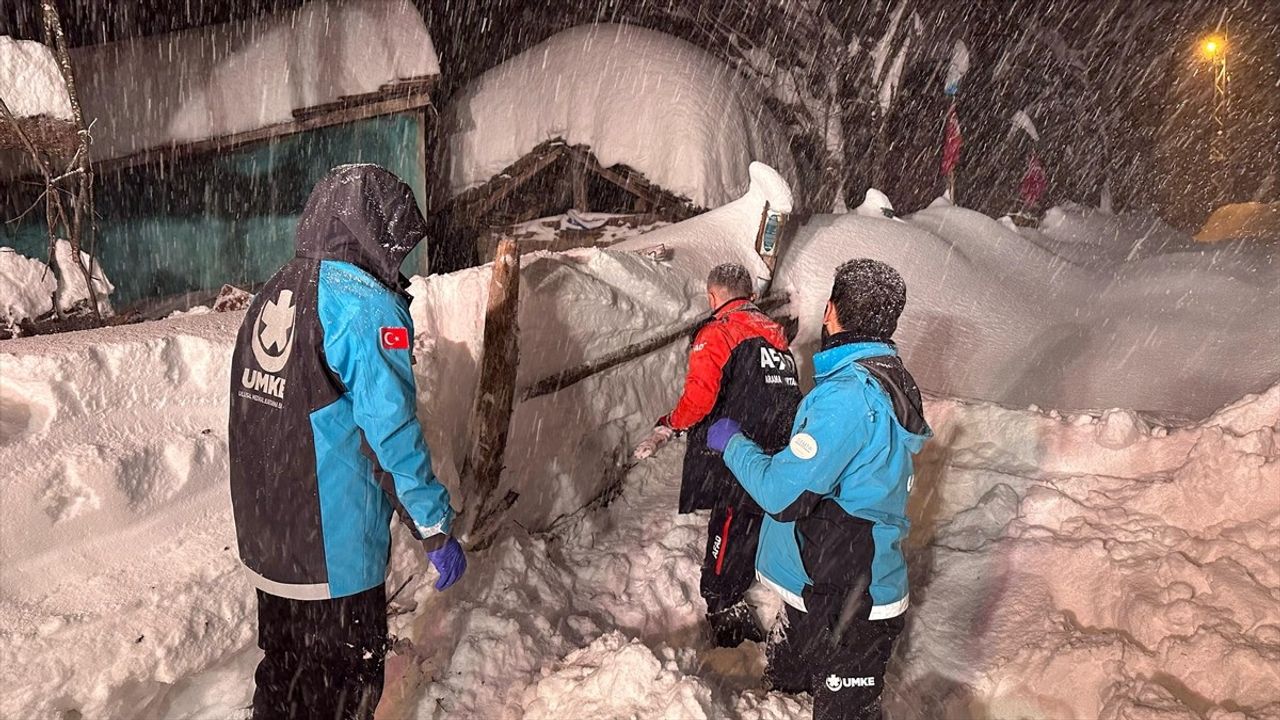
(730, 306)
(838, 356)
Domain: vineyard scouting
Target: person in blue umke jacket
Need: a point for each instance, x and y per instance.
(326, 447)
(836, 501)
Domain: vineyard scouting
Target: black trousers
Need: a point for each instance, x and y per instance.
(323, 659)
(843, 670)
(729, 566)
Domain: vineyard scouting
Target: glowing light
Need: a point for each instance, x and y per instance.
(1213, 46)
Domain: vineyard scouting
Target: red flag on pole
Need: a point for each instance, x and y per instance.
(951, 142)
(1034, 182)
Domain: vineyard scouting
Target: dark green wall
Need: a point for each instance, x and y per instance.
(197, 223)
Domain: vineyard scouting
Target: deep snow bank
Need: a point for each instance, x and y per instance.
(1063, 567)
(997, 315)
(26, 288)
(29, 288)
(118, 571)
(638, 97)
(1099, 567)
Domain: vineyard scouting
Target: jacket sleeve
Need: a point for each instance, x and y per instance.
(827, 434)
(381, 386)
(707, 358)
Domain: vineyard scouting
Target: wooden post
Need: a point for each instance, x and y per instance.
(578, 178)
(495, 394)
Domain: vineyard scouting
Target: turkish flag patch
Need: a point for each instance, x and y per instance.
(394, 338)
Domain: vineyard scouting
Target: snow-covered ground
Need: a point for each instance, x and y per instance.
(638, 97)
(28, 287)
(1105, 564)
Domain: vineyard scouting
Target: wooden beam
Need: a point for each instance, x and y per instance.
(482, 191)
(572, 376)
(634, 183)
(403, 89)
(225, 143)
(500, 189)
(480, 200)
(578, 183)
(495, 393)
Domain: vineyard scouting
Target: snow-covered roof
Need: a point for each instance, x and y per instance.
(1242, 221)
(221, 80)
(30, 82)
(688, 122)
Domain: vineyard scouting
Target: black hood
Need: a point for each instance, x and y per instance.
(364, 215)
(901, 388)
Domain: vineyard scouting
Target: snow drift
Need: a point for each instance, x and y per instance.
(29, 288)
(1015, 318)
(26, 289)
(1095, 566)
(637, 97)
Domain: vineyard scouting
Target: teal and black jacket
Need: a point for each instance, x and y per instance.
(836, 497)
(324, 437)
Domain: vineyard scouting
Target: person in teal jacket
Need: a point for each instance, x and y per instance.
(326, 447)
(836, 501)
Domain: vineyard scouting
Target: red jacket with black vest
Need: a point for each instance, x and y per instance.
(740, 367)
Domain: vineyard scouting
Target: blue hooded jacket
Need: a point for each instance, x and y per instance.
(849, 465)
(323, 429)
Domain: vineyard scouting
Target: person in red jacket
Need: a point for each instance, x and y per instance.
(740, 366)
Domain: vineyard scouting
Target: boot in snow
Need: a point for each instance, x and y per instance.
(731, 626)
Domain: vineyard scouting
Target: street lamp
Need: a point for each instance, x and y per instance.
(1212, 46)
(1214, 49)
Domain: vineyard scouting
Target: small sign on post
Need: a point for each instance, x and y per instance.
(769, 234)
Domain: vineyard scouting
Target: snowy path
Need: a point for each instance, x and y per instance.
(601, 618)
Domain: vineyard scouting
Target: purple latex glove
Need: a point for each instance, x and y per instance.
(720, 432)
(449, 561)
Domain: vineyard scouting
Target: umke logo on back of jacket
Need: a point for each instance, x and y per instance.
(272, 343)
